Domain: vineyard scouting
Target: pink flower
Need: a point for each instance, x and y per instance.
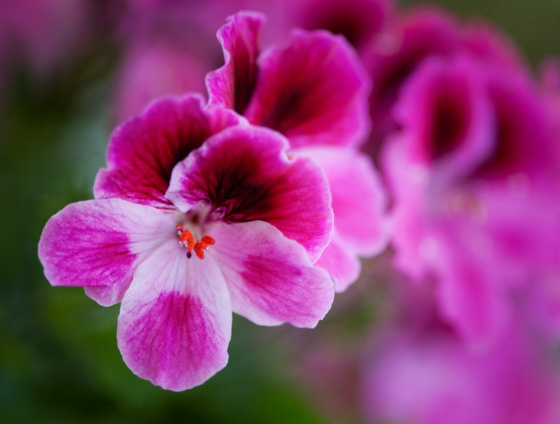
(430, 377)
(414, 37)
(471, 169)
(314, 91)
(197, 215)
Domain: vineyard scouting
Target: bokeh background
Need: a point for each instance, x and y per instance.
(59, 360)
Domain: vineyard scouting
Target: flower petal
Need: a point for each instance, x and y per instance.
(97, 244)
(175, 321)
(244, 174)
(314, 91)
(144, 150)
(232, 85)
(341, 263)
(359, 200)
(447, 117)
(270, 278)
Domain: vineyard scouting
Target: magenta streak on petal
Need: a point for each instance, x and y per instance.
(313, 90)
(270, 277)
(244, 174)
(172, 342)
(175, 319)
(96, 244)
(233, 84)
(144, 150)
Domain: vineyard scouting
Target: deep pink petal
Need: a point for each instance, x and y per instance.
(233, 84)
(313, 90)
(359, 200)
(270, 277)
(413, 37)
(357, 20)
(143, 151)
(447, 117)
(97, 244)
(175, 320)
(244, 174)
(341, 262)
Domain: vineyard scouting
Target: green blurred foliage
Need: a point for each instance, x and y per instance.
(59, 360)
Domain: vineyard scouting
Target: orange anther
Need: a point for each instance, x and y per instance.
(207, 240)
(187, 237)
(199, 250)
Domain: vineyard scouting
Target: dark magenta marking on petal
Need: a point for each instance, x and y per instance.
(144, 150)
(245, 174)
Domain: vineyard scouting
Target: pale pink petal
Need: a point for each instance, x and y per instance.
(270, 278)
(244, 175)
(97, 244)
(313, 90)
(144, 150)
(233, 84)
(470, 291)
(175, 321)
(359, 200)
(340, 261)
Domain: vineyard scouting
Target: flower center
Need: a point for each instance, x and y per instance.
(186, 239)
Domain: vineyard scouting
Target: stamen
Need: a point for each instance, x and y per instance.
(186, 239)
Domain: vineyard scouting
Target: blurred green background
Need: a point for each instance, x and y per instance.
(59, 360)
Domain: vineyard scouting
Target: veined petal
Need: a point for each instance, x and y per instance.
(314, 91)
(97, 244)
(144, 150)
(270, 277)
(175, 321)
(232, 85)
(244, 174)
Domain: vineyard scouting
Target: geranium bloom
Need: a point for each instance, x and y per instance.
(471, 169)
(412, 38)
(195, 217)
(428, 376)
(314, 91)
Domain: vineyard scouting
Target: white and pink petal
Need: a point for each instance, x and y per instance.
(175, 320)
(270, 277)
(97, 244)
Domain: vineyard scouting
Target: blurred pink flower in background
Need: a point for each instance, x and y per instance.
(411, 38)
(472, 166)
(41, 33)
(428, 376)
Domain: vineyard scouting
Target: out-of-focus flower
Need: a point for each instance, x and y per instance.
(41, 33)
(472, 167)
(359, 21)
(430, 377)
(414, 37)
(195, 217)
(314, 91)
